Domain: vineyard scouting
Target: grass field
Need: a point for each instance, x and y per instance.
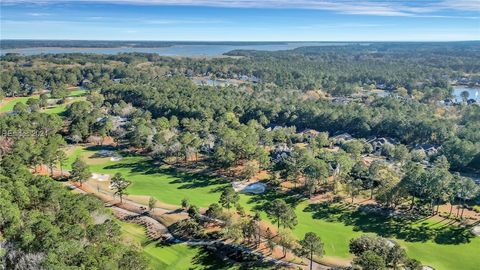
(433, 242)
(161, 182)
(176, 256)
(58, 109)
(7, 106)
(179, 256)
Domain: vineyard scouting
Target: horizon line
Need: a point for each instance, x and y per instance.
(213, 41)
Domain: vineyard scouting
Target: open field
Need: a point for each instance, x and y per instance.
(432, 241)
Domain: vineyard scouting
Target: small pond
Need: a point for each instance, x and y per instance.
(473, 93)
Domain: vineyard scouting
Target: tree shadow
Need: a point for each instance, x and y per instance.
(197, 180)
(453, 235)
(100, 147)
(188, 180)
(209, 260)
(220, 257)
(261, 201)
(405, 228)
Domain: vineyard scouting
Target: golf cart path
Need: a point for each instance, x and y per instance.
(133, 212)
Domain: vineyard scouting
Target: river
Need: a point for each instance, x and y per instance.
(209, 50)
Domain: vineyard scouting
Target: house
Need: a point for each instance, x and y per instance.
(273, 128)
(341, 100)
(208, 144)
(339, 139)
(309, 134)
(429, 149)
(189, 73)
(246, 78)
(85, 83)
(118, 121)
(379, 143)
(381, 86)
(207, 147)
(280, 152)
(254, 79)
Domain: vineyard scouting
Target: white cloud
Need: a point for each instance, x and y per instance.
(37, 14)
(461, 4)
(181, 21)
(361, 7)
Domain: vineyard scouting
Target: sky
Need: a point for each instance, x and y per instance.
(241, 20)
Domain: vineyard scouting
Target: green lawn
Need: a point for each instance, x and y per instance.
(72, 154)
(434, 243)
(76, 93)
(58, 109)
(178, 256)
(165, 184)
(7, 106)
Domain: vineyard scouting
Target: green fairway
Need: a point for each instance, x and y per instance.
(432, 242)
(7, 106)
(175, 256)
(161, 182)
(76, 93)
(58, 109)
(435, 243)
(178, 256)
(335, 235)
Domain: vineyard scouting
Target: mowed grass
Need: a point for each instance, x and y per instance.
(149, 179)
(433, 242)
(443, 257)
(7, 106)
(178, 256)
(74, 95)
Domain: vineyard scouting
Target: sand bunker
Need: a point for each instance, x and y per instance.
(100, 176)
(476, 230)
(114, 156)
(245, 187)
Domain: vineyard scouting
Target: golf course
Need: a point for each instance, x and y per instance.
(73, 95)
(432, 241)
(171, 257)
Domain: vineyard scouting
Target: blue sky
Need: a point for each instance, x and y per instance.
(242, 20)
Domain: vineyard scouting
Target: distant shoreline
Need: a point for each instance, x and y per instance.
(197, 49)
(100, 44)
(8, 44)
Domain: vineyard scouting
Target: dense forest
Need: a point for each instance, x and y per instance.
(417, 75)
(42, 224)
